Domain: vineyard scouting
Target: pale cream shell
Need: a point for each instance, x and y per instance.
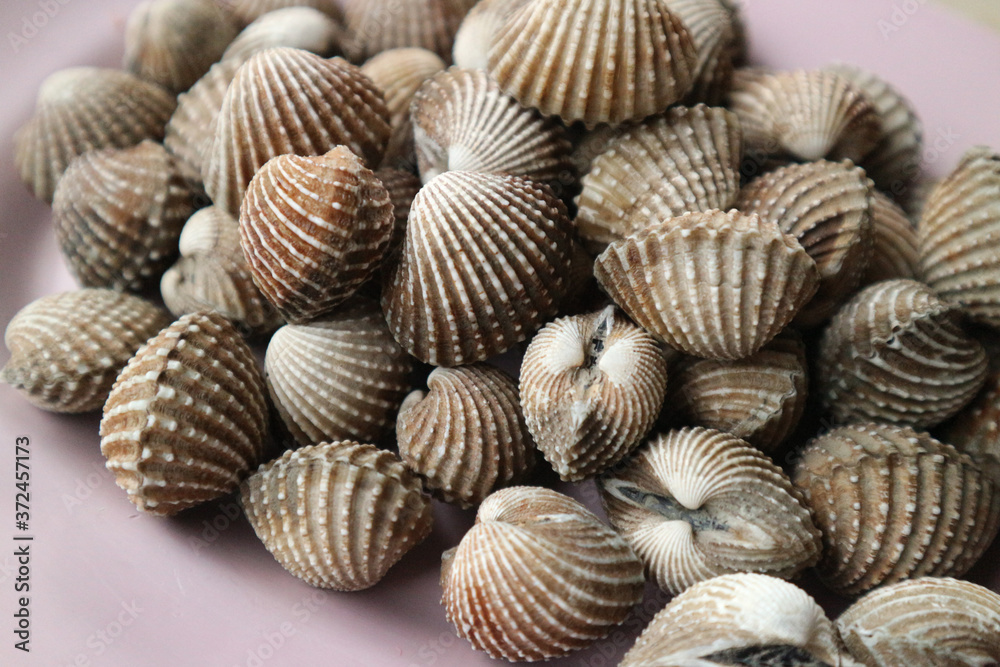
(300, 27)
(472, 41)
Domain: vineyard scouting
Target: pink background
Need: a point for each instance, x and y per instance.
(223, 601)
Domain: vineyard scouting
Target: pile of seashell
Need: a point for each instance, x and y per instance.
(698, 259)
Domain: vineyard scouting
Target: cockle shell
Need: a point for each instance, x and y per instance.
(739, 619)
(484, 264)
(212, 274)
(685, 161)
(596, 61)
(976, 429)
(715, 285)
(83, 109)
(759, 399)
(926, 622)
(246, 12)
(173, 42)
(712, 24)
(895, 504)
(313, 230)
(380, 25)
(187, 417)
(958, 234)
(472, 41)
(337, 515)
(339, 377)
(827, 206)
(894, 253)
(466, 435)
(591, 387)
(538, 576)
(462, 121)
(895, 353)
(313, 106)
(67, 349)
(298, 27)
(118, 213)
(698, 503)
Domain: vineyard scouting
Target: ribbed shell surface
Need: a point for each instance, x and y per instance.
(895, 253)
(381, 25)
(402, 187)
(716, 41)
(337, 515)
(187, 418)
(298, 27)
(248, 11)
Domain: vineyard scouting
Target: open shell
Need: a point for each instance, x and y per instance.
(380, 25)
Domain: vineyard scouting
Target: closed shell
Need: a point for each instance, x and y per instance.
(300, 27)
(187, 418)
(337, 515)
(381, 25)
(246, 12)
(894, 253)
(538, 576)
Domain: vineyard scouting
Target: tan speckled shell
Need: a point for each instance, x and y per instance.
(337, 515)
(591, 387)
(67, 349)
(538, 576)
(596, 61)
(894, 251)
(466, 435)
(897, 354)
(485, 263)
(715, 285)
(337, 378)
(472, 41)
(317, 105)
(712, 24)
(380, 25)
(685, 161)
(118, 214)
(926, 622)
(894, 504)
(697, 503)
(187, 418)
(297, 27)
(248, 11)
(83, 109)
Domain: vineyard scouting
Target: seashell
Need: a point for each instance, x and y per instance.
(245, 12)
(298, 27)
(212, 274)
(187, 417)
(67, 349)
(827, 206)
(976, 429)
(402, 187)
(381, 25)
(894, 504)
(173, 42)
(318, 105)
(958, 234)
(715, 285)
(466, 435)
(484, 264)
(472, 41)
(337, 515)
(716, 41)
(118, 214)
(759, 399)
(83, 109)
(590, 144)
(926, 622)
(739, 619)
(894, 250)
(596, 61)
(698, 503)
(339, 377)
(808, 115)
(462, 121)
(914, 197)
(591, 388)
(683, 162)
(313, 230)
(897, 354)
(538, 576)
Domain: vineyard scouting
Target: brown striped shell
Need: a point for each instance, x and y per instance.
(465, 435)
(591, 387)
(313, 230)
(380, 25)
(337, 515)
(697, 503)
(714, 285)
(314, 106)
(485, 263)
(462, 121)
(685, 161)
(894, 504)
(67, 349)
(714, 29)
(118, 214)
(472, 41)
(894, 249)
(83, 109)
(827, 206)
(245, 12)
(926, 622)
(895, 353)
(596, 61)
(300, 27)
(187, 418)
(538, 576)
(958, 234)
